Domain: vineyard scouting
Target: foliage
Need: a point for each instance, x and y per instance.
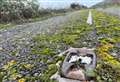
(75, 33)
(107, 31)
(76, 6)
(20, 11)
(4, 25)
(17, 9)
(107, 3)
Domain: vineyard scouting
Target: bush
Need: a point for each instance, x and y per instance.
(17, 10)
(76, 6)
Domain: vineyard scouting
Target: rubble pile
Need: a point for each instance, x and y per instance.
(78, 65)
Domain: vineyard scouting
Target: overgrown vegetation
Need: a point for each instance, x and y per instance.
(107, 4)
(18, 10)
(107, 65)
(24, 11)
(5, 25)
(103, 35)
(77, 6)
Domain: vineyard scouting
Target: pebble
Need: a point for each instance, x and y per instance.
(114, 54)
(1, 48)
(36, 74)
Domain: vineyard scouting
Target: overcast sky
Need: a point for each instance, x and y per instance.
(65, 3)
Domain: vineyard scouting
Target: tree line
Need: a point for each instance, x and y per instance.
(12, 10)
(17, 9)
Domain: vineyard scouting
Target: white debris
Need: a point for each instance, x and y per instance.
(89, 19)
(86, 59)
(55, 76)
(0, 35)
(74, 58)
(114, 54)
(1, 48)
(61, 54)
(58, 63)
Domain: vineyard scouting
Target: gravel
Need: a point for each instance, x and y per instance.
(30, 29)
(21, 34)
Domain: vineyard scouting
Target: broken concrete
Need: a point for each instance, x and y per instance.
(78, 65)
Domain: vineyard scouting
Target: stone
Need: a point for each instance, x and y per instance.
(76, 63)
(76, 74)
(1, 48)
(114, 54)
(86, 60)
(57, 77)
(73, 59)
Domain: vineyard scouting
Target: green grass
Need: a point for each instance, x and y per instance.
(4, 25)
(106, 5)
(73, 33)
(33, 19)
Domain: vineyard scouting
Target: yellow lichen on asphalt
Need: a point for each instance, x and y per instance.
(102, 53)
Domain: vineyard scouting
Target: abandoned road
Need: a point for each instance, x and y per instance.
(30, 29)
(17, 37)
(22, 56)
